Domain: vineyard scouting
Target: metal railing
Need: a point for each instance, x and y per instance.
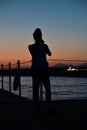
(20, 65)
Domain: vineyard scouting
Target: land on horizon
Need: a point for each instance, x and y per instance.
(81, 71)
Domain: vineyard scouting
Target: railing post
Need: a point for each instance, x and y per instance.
(2, 75)
(20, 79)
(10, 77)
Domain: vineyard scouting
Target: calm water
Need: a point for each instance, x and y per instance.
(61, 87)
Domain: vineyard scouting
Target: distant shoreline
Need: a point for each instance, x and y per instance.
(52, 72)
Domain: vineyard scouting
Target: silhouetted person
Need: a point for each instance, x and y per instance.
(39, 67)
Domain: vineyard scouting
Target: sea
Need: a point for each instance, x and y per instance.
(62, 88)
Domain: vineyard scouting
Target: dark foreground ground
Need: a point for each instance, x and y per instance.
(21, 114)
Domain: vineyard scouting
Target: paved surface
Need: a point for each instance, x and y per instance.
(18, 113)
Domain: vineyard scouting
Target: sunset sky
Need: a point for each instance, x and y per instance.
(63, 23)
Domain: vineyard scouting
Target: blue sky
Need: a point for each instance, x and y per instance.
(63, 23)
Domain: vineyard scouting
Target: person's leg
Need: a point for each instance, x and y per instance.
(35, 90)
(46, 81)
(48, 89)
(36, 83)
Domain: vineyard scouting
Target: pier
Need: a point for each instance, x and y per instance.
(19, 113)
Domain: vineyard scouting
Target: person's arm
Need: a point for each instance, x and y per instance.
(30, 49)
(48, 50)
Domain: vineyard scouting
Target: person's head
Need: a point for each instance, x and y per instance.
(37, 35)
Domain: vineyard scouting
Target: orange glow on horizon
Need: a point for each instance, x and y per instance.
(20, 52)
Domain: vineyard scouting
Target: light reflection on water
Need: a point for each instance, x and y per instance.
(61, 87)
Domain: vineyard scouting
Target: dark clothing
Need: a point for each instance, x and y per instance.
(38, 52)
(39, 69)
(41, 76)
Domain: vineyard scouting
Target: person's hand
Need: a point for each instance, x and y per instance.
(42, 41)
